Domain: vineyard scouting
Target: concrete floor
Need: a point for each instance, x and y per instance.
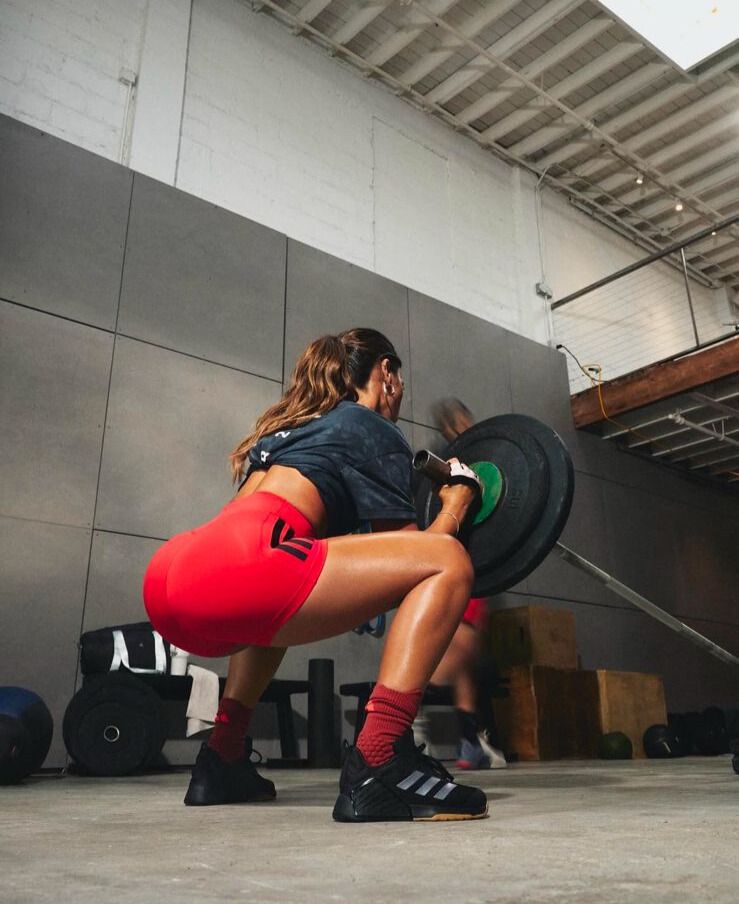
(570, 832)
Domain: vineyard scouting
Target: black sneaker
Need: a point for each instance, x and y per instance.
(410, 786)
(215, 781)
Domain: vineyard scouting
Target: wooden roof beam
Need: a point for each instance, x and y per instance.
(655, 382)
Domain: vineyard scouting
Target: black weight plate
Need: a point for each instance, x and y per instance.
(553, 517)
(539, 482)
(114, 725)
(526, 487)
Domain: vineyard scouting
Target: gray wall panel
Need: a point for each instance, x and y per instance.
(456, 354)
(204, 281)
(327, 295)
(54, 380)
(643, 538)
(707, 564)
(585, 533)
(172, 421)
(117, 566)
(539, 385)
(41, 594)
(62, 225)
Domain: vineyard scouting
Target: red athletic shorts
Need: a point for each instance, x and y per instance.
(475, 613)
(235, 580)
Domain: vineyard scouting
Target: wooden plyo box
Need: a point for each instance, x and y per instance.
(630, 702)
(555, 714)
(533, 635)
(550, 714)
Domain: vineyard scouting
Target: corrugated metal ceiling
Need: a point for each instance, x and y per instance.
(562, 88)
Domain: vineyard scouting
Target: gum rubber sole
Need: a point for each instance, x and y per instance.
(451, 817)
(344, 812)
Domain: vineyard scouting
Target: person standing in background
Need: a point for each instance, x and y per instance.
(456, 670)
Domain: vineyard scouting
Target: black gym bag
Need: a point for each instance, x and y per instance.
(136, 647)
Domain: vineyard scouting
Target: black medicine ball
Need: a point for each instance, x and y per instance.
(26, 729)
(661, 743)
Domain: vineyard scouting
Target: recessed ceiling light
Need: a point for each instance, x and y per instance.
(679, 206)
(639, 179)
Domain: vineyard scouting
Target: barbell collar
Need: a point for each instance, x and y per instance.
(432, 466)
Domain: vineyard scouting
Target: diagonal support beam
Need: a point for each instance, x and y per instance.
(583, 76)
(413, 25)
(612, 95)
(360, 20)
(693, 167)
(675, 148)
(450, 45)
(516, 38)
(643, 109)
(554, 55)
(309, 12)
(706, 185)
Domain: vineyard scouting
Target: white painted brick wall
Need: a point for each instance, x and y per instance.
(59, 66)
(635, 320)
(276, 131)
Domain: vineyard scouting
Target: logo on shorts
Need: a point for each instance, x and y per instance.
(283, 537)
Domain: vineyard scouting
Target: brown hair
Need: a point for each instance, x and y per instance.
(329, 370)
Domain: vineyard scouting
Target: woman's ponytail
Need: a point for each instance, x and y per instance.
(321, 379)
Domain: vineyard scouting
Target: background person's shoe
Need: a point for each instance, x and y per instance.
(410, 786)
(420, 729)
(471, 756)
(215, 781)
(496, 757)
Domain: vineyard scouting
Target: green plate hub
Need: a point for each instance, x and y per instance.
(492, 488)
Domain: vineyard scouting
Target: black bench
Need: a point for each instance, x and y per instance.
(175, 689)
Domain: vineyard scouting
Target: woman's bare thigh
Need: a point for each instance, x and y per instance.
(363, 576)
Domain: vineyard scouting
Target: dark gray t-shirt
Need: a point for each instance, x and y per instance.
(359, 462)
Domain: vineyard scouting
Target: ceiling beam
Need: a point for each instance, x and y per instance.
(663, 126)
(655, 382)
(413, 25)
(725, 253)
(449, 45)
(716, 404)
(517, 37)
(706, 185)
(689, 225)
(593, 70)
(554, 55)
(614, 94)
(676, 148)
(693, 167)
(643, 109)
(360, 20)
(309, 12)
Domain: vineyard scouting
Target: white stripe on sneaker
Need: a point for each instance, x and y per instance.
(444, 792)
(409, 780)
(427, 786)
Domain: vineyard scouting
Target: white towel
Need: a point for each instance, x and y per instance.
(203, 703)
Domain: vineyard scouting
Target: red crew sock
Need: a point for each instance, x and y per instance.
(389, 714)
(229, 732)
